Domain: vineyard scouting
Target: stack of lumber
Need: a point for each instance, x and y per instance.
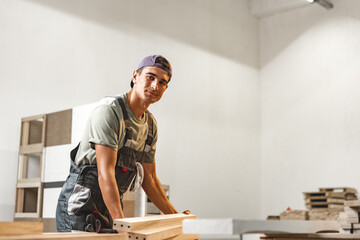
(349, 219)
(327, 203)
(333, 198)
(155, 227)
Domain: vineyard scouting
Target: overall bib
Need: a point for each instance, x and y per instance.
(80, 200)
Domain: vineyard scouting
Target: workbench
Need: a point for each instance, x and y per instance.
(227, 227)
(312, 236)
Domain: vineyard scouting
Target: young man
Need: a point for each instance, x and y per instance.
(117, 152)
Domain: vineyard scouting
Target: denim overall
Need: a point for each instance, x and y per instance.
(81, 198)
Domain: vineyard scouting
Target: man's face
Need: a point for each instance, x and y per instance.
(150, 84)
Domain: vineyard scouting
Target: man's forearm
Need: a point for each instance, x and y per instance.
(106, 160)
(155, 192)
(111, 196)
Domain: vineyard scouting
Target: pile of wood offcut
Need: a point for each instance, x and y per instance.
(155, 227)
(327, 203)
(349, 219)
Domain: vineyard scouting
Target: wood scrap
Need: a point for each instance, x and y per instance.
(67, 236)
(149, 222)
(154, 227)
(339, 189)
(329, 198)
(350, 219)
(156, 233)
(184, 237)
(21, 228)
(294, 215)
(324, 214)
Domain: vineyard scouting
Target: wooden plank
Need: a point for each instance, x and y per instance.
(184, 237)
(310, 236)
(25, 128)
(58, 128)
(33, 148)
(28, 183)
(294, 215)
(26, 215)
(339, 189)
(314, 194)
(68, 236)
(19, 200)
(356, 226)
(39, 201)
(324, 200)
(315, 198)
(23, 165)
(340, 194)
(158, 221)
(156, 233)
(346, 225)
(352, 203)
(350, 212)
(20, 228)
(324, 214)
(32, 118)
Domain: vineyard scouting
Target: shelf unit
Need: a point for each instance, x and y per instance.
(29, 188)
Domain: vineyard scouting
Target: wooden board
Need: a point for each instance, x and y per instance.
(352, 203)
(325, 205)
(339, 189)
(185, 237)
(312, 236)
(68, 236)
(294, 215)
(149, 222)
(20, 228)
(33, 148)
(314, 194)
(324, 200)
(156, 233)
(324, 214)
(344, 195)
(58, 128)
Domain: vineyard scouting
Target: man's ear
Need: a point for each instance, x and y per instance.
(135, 74)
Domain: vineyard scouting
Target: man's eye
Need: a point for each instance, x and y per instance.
(151, 77)
(163, 83)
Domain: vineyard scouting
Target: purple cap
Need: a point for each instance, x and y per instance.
(155, 61)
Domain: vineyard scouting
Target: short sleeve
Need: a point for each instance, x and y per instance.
(104, 127)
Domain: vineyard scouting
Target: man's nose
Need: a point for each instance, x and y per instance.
(154, 84)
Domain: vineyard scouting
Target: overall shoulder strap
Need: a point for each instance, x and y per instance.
(150, 137)
(128, 134)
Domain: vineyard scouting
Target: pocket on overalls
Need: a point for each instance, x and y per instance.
(125, 170)
(124, 178)
(78, 200)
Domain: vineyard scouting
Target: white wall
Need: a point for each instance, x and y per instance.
(58, 54)
(310, 131)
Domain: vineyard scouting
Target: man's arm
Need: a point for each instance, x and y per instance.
(154, 190)
(106, 161)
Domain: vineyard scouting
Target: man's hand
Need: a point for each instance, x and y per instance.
(187, 212)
